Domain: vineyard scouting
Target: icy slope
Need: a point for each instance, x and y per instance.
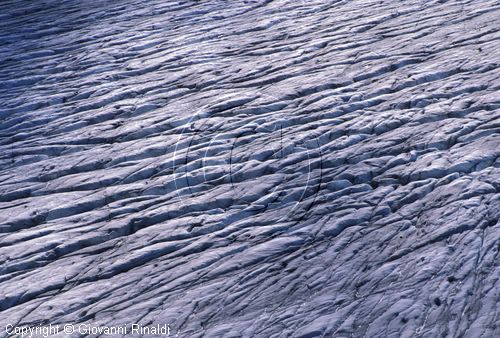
(251, 169)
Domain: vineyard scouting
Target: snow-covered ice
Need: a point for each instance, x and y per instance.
(251, 168)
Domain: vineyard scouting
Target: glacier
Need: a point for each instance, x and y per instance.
(251, 168)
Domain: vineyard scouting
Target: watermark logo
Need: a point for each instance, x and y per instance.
(251, 152)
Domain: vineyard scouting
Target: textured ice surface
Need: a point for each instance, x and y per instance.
(251, 169)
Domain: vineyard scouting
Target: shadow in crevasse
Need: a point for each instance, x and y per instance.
(41, 38)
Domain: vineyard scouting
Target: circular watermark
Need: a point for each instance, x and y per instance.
(251, 149)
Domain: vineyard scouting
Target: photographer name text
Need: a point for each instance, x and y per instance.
(86, 329)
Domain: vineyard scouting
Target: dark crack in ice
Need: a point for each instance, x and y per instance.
(251, 168)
